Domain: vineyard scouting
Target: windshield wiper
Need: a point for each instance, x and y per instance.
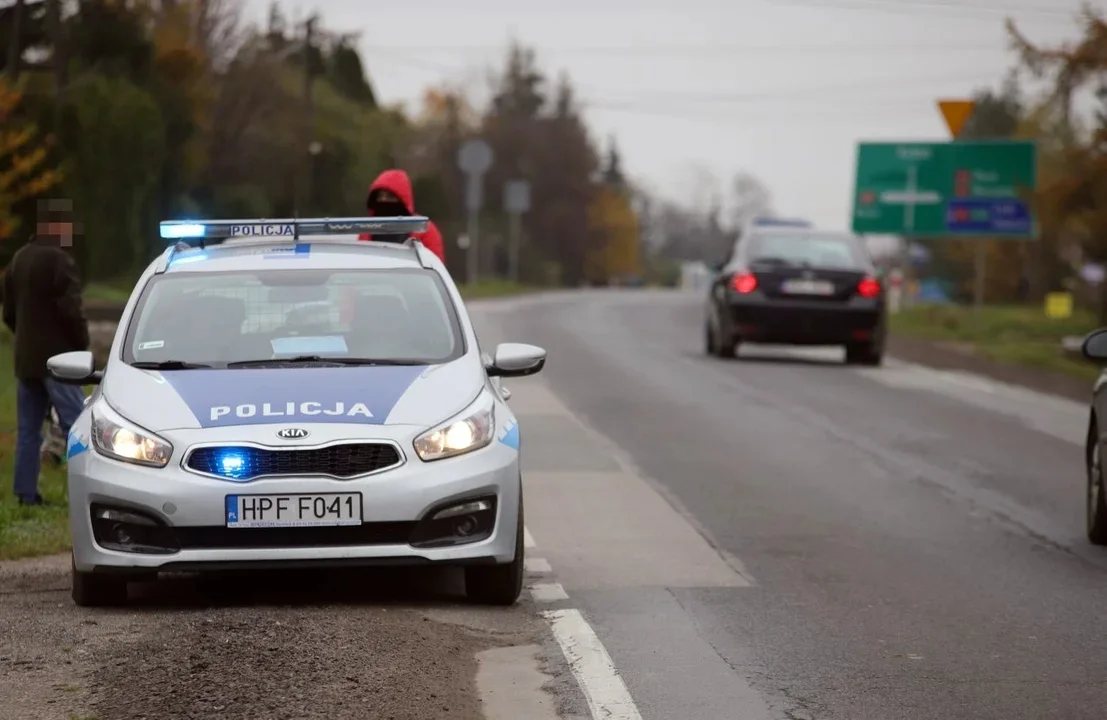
(169, 365)
(331, 360)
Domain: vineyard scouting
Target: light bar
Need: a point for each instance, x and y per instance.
(780, 222)
(290, 229)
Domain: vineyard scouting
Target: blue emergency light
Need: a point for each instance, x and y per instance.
(780, 222)
(293, 229)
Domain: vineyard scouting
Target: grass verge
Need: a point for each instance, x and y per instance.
(114, 293)
(493, 289)
(26, 531)
(1011, 335)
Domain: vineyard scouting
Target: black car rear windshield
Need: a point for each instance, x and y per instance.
(221, 318)
(806, 249)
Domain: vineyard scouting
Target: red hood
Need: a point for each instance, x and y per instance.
(398, 183)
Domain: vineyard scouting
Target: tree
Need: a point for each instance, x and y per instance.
(24, 169)
(1074, 201)
(114, 192)
(750, 198)
(345, 72)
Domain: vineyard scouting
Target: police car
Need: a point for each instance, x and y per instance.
(229, 431)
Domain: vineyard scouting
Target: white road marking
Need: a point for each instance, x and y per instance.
(548, 592)
(528, 539)
(592, 667)
(538, 566)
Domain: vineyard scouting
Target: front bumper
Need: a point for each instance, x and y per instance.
(806, 322)
(191, 532)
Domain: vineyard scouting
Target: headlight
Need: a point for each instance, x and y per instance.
(115, 437)
(472, 431)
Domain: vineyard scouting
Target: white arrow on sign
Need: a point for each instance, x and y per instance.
(910, 197)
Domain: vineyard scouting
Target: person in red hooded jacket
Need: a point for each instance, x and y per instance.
(390, 195)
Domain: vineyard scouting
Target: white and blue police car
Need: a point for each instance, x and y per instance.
(295, 398)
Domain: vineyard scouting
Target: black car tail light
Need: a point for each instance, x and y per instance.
(744, 283)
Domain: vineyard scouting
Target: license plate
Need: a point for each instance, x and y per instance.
(299, 510)
(808, 287)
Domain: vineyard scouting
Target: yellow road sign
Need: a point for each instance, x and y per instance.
(956, 113)
(1058, 305)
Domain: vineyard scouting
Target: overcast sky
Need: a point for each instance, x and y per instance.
(697, 90)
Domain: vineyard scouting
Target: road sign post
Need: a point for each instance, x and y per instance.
(474, 158)
(516, 203)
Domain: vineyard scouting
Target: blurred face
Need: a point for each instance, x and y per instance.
(386, 204)
(61, 231)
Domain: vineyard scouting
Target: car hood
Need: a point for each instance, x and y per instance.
(423, 395)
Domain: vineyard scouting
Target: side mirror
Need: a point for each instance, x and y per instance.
(1095, 345)
(516, 360)
(74, 368)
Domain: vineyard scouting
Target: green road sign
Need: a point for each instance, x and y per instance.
(953, 189)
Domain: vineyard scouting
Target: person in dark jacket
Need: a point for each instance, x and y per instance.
(42, 308)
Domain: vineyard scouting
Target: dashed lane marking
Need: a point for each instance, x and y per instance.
(538, 566)
(548, 592)
(595, 673)
(591, 666)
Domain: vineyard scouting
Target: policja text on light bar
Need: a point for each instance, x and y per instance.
(291, 228)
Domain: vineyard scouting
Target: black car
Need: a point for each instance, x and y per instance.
(1095, 349)
(798, 286)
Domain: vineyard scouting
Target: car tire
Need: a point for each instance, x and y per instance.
(864, 354)
(719, 343)
(499, 584)
(1096, 494)
(97, 589)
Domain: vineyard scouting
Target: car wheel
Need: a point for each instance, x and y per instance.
(499, 584)
(708, 339)
(723, 344)
(98, 590)
(1097, 499)
(864, 354)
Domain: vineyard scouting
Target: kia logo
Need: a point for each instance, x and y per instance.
(292, 433)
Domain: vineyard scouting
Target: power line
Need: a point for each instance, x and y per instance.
(653, 50)
(935, 8)
(864, 85)
(776, 117)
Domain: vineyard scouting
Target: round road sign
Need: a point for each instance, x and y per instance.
(474, 157)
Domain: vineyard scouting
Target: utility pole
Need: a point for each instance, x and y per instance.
(15, 47)
(57, 37)
(309, 112)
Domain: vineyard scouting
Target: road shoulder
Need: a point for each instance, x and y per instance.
(942, 356)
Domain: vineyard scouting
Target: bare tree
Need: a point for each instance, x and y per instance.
(750, 198)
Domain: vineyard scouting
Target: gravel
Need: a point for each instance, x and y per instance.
(373, 645)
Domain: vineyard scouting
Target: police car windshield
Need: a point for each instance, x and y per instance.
(249, 319)
(816, 250)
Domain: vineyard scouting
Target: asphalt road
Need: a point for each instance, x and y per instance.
(899, 543)
(773, 537)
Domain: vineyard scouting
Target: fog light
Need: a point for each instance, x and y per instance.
(131, 531)
(466, 521)
(121, 535)
(466, 526)
(122, 516)
(463, 509)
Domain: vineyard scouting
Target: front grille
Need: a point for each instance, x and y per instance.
(242, 463)
(214, 538)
